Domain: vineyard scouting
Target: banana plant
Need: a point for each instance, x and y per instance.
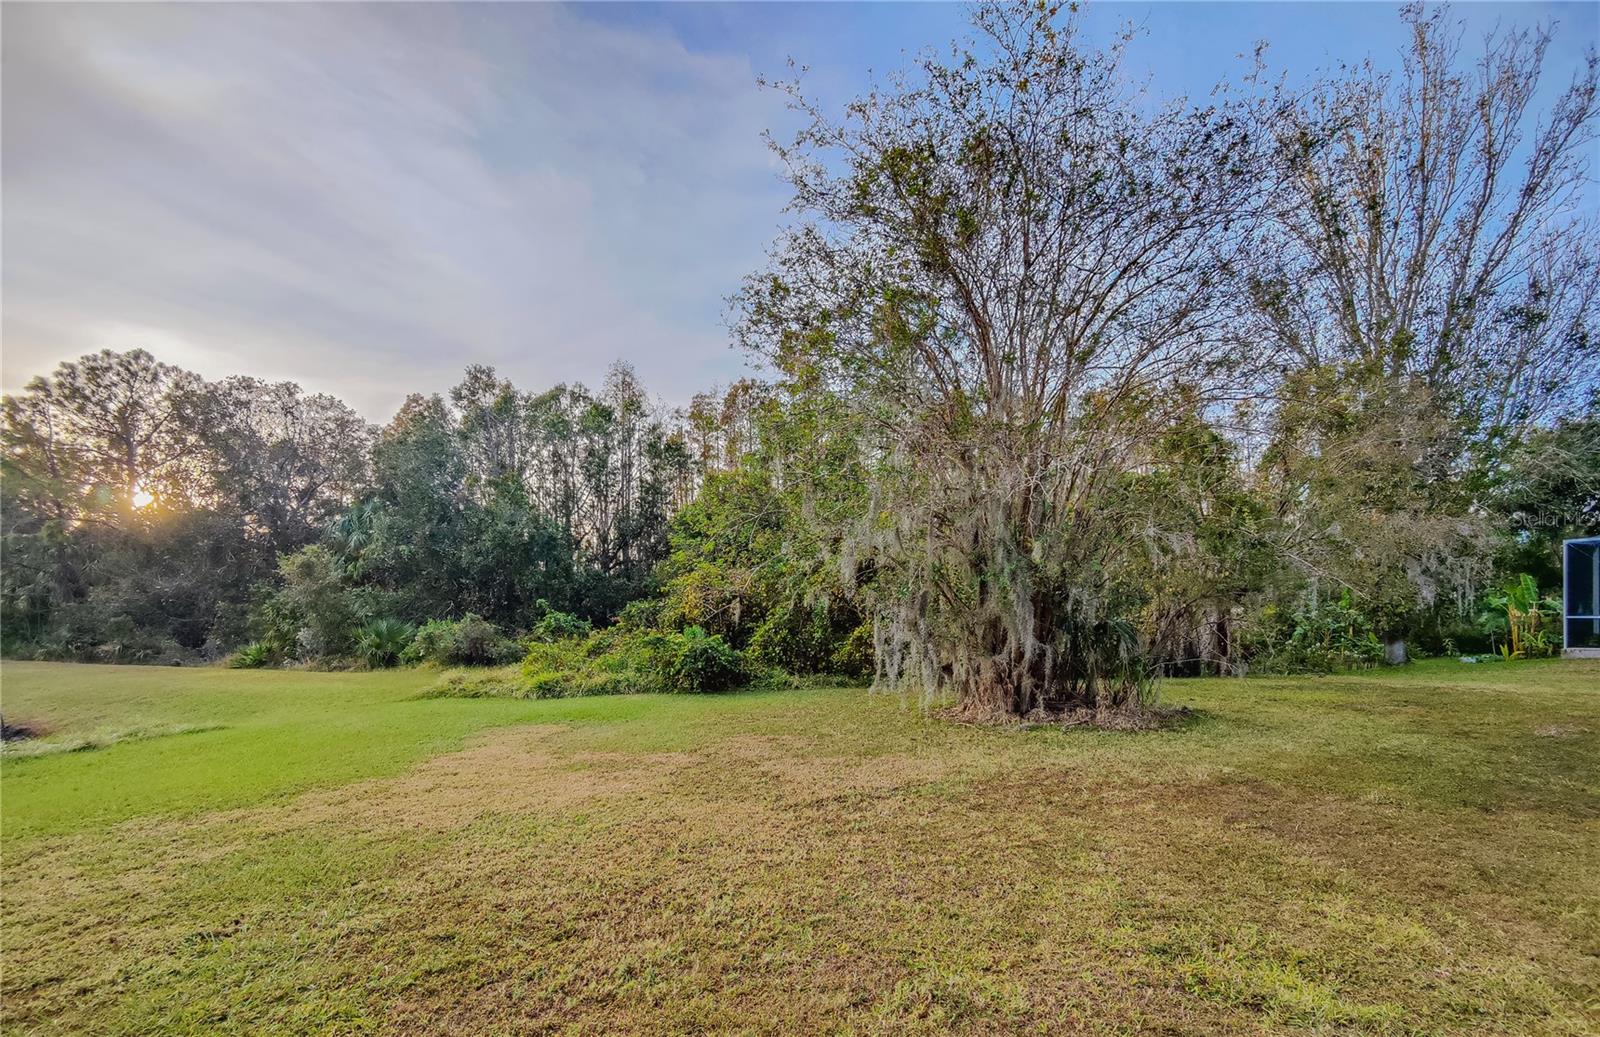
(1525, 611)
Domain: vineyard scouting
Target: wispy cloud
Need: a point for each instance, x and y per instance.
(368, 198)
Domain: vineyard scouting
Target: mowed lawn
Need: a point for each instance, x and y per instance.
(1401, 852)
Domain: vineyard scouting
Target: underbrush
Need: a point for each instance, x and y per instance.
(382, 642)
(610, 662)
(1329, 637)
(619, 661)
(469, 641)
(86, 634)
(501, 682)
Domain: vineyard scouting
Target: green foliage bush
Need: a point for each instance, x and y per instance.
(1330, 636)
(621, 662)
(640, 614)
(743, 566)
(431, 643)
(121, 640)
(1524, 622)
(854, 657)
(381, 642)
(96, 631)
(794, 638)
(252, 656)
(314, 603)
(697, 661)
(608, 662)
(559, 626)
(479, 642)
(468, 641)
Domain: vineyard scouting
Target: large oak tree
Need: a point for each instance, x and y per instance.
(1012, 270)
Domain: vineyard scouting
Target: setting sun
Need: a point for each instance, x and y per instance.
(142, 498)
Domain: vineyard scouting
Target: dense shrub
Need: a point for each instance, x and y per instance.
(469, 641)
(95, 631)
(479, 642)
(381, 642)
(314, 601)
(432, 642)
(252, 656)
(1329, 636)
(619, 662)
(608, 662)
(854, 657)
(794, 638)
(92, 632)
(697, 661)
(559, 626)
(640, 614)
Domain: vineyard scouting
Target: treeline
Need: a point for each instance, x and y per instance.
(1067, 392)
(150, 516)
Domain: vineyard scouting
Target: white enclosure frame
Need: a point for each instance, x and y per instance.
(1583, 552)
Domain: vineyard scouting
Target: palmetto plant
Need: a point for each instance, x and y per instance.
(379, 642)
(353, 533)
(1525, 612)
(252, 656)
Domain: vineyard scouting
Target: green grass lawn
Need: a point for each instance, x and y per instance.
(1408, 852)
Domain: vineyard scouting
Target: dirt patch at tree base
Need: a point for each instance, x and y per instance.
(1154, 718)
(1145, 718)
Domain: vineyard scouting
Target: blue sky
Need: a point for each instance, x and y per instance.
(367, 198)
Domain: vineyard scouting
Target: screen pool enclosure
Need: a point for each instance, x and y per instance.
(1580, 596)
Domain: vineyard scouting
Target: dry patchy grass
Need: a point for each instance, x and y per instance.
(1409, 853)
